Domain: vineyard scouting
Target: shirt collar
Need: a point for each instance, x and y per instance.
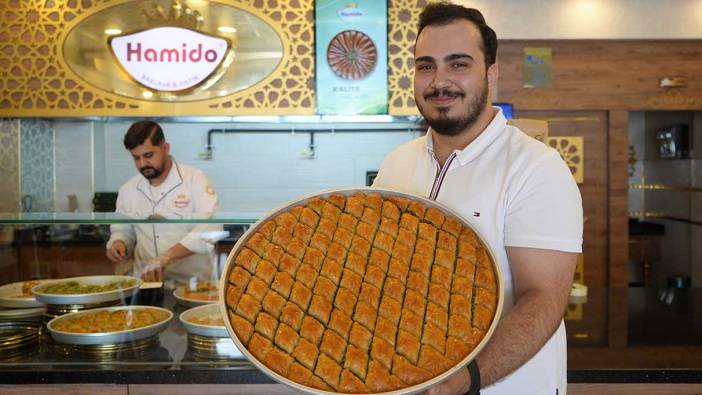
(477, 146)
(172, 180)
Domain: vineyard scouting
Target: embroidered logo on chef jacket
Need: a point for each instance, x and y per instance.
(181, 201)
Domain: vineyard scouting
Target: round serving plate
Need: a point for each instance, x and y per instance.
(108, 340)
(9, 293)
(207, 310)
(385, 193)
(88, 298)
(179, 294)
(19, 314)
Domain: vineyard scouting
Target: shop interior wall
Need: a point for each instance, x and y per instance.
(617, 76)
(253, 172)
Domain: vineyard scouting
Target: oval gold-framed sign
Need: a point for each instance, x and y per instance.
(235, 49)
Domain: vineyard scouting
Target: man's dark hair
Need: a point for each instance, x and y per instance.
(140, 131)
(443, 13)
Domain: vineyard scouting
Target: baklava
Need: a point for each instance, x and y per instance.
(363, 293)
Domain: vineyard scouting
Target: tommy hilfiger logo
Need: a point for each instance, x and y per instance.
(476, 214)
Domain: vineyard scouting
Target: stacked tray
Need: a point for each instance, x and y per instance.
(18, 336)
(361, 290)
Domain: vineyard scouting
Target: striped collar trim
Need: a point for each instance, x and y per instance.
(477, 146)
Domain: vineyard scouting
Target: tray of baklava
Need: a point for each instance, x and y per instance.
(361, 290)
(109, 325)
(86, 289)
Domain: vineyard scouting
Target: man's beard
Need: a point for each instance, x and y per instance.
(451, 126)
(150, 172)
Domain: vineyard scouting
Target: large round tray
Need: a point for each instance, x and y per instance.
(108, 337)
(89, 298)
(348, 192)
(199, 329)
(8, 291)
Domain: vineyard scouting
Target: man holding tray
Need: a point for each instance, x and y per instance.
(515, 191)
(164, 189)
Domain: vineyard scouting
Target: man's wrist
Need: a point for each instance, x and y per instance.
(474, 372)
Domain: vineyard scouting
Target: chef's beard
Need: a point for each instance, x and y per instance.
(150, 172)
(452, 126)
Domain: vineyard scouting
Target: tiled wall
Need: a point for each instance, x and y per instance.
(9, 165)
(74, 166)
(37, 165)
(254, 172)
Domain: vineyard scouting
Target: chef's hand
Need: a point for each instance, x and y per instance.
(117, 251)
(153, 268)
(458, 384)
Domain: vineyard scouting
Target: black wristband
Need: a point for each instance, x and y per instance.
(474, 378)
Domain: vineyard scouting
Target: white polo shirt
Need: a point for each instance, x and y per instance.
(515, 191)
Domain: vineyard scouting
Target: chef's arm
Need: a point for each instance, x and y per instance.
(121, 232)
(153, 268)
(542, 283)
(173, 254)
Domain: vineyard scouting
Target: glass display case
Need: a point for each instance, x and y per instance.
(614, 335)
(43, 246)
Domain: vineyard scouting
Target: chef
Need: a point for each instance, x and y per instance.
(177, 253)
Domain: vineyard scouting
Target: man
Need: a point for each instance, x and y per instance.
(169, 190)
(515, 191)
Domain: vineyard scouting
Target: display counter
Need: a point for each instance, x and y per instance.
(628, 335)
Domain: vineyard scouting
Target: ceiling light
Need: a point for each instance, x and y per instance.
(227, 29)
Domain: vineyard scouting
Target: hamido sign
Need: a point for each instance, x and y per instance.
(169, 59)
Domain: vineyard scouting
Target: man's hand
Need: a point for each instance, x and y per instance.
(117, 251)
(153, 268)
(457, 384)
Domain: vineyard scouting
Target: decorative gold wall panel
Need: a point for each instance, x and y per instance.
(33, 82)
(403, 16)
(571, 150)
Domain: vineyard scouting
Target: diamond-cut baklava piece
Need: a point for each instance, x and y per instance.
(361, 293)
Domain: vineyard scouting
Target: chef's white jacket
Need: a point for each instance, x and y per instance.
(187, 193)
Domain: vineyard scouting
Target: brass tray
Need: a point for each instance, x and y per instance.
(348, 192)
(88, 298)
(109, 338)
(213, 348)
(18, 334)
